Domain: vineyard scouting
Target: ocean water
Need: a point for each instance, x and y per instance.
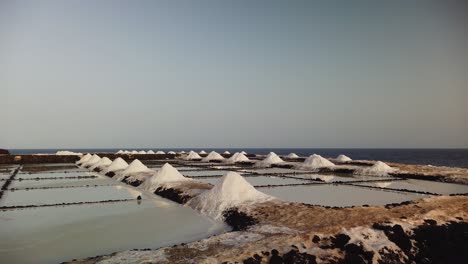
(437, 157)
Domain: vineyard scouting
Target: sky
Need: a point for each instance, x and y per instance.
(289, 74)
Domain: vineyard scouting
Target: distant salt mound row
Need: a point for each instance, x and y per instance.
(193, 156)
(141, 152)
(237, 157)
(171, 152)
(150, 152)
(117, 165)
(84, 159)
(343, 158)
(378, 169)
(226, 152)
(166, 175)
(135, 167)
(213, 156)
(160, 152)
(230, 191)
(270, 159)
(292, 156)
(315, 162)
(202, 152)
(69, 153)
(102, 163)
(119, 152)
(93, 160)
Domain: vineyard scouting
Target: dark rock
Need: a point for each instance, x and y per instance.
(139, 197)
(397, 235)
(251, 261)
(110, 174)
(430, 221)
(4, 152)
(316, 239)
(275, 258)
(294, 256)
(340, 241)
(238, 220)
(173, 195)
(355, 254)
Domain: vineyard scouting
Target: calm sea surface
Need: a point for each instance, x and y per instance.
(440, 157)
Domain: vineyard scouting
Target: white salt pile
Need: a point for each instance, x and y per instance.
(117, 165)
(150, 152)
(135, 167)
(126, 152)
(84, 159)
(237, 157)
(166, 175)
(141, 152)
(230, 191)
(66, 152)
(292, 156)
(378, 169)
(102, 163)
(270, 159)
(160, 152)
(226, 152)
(213, 156)
(315, 162)
(382, 184)
(93, 160)
(171, 152)
(182, 152)
(193, 156)
(343, 158)
(134, 152)
(120, 152)
(243, 153)
(202, 152)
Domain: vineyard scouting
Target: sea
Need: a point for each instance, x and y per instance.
(435, 157)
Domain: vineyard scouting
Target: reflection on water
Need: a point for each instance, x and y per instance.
(424, 186)
(338, 195)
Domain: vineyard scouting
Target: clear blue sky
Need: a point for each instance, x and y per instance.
(78, 74)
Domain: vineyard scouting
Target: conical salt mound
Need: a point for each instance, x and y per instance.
(167, 174)
(141, 152)
(202, 152)
(193, 156)
(237, 157)
(101, 163)
(226, 152)
(343, 158)
(171, 152)
(120, 152)
(378, 169)
(134, 167)
(243, 153)
(316, 161)
(93, 160)
(84, 159)
(150, 152)
(213, 156)
(116, 165)
(292, 156)
(159, 152)
(230, 191)
(270, 159)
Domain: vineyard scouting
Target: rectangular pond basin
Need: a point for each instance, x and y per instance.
(422, 186)
(199, 173)
(339, 178)
(273, 171)
(66, 195)
(260, 180)
(57, 234)
(52, 175)
(61, 182)
(338, 195)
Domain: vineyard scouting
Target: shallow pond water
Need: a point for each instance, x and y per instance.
(338, 195)
(61, 182)
(422, 186)
(57, 234)
(199, 173)
(53, 174)
(260, 180)
(338, 178)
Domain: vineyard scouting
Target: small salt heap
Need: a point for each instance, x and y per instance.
(102, 163)
(243, 153)
(135, 167)
(343, 158)
(84, 159)
(68, 153)
(292, 156)
(230, 191)
(378, 169)
(120, 152)
(126, 152)
(166, 175)
(160, 152)
(182, 152)
(171, 152)
(193, 156)
(93, 160)
(315, 162)
(141, 152)
(226, 152)
(237, 157)
(150, 152)
(202, 152)
(270, 159)
(213, 156)
(383, 184)
(134, 152)
(117, 165)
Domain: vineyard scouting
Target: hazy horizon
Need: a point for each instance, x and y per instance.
(242, 74)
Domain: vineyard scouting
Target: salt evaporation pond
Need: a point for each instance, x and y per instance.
(339, 178)
(52, 174)
(423, 186)
(260, 180)
(338, 195)
(57, 234)
(274, 170)
(61, 182)
(199, 173)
